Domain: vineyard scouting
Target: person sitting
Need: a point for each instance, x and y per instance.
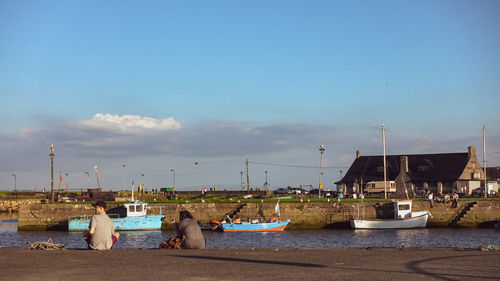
(101, 234)
(189, 231)
(237, 220)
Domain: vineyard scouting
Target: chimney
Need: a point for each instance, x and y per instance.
(358, 154)
(472, 151)
(404, 163)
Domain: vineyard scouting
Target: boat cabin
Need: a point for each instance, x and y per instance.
(402, 209)
(136, 209)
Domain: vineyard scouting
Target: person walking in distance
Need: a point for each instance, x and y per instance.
(454, 200)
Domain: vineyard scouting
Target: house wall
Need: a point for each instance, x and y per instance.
(473, 169)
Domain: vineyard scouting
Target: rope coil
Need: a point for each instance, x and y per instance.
(49, 245)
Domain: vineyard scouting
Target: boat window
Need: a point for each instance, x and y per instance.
(404, 207)
(131, 208)
(138, 208)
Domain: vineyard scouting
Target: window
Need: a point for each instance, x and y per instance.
(131, 208)
(138, 208)
(404, 207)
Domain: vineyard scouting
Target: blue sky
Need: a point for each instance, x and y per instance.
(221, 81)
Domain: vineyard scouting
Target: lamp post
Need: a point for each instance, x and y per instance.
(173, 171)
(15, 181)
(88, 179)
(124, 177)
(52, 172)
(142, 175)
(197, 175)
(321, 150)
(265, 184)
(241, 174)
(67, 184)
(340, 181)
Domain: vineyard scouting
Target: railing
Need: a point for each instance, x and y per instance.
(88, 217)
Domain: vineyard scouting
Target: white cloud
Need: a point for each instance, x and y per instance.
(129, 123)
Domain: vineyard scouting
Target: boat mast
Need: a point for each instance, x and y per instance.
(133, 191)
(484, 163)
(385, 168)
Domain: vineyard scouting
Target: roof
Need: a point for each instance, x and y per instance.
(493, 172)
(422, 167)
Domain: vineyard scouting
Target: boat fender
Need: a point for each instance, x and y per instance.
(214, 222)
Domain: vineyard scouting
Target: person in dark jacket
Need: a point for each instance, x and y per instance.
(189, 230)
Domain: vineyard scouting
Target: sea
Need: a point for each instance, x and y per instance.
(466, 238)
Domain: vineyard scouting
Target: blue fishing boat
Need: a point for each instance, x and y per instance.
(136, 219)
(255, 227)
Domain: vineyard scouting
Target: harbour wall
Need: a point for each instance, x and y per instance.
(14, 205)
(38, 216)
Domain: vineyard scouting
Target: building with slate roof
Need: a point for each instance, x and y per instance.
(439, 173)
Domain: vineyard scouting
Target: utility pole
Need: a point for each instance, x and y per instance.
(52, 172)
(248, 179)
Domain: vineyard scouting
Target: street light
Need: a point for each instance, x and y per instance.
(15, 181)
(88, 179)
(241, 173)
(52, 173)
(197, 181)
(124, 178)
(340, 181)
(67, 184)
(265, 184)
(142, 175)
(173, 171)
(321, 150)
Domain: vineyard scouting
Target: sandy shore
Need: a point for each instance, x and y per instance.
(250, 264)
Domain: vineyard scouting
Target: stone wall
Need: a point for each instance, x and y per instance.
(14, 205)
(302, 215)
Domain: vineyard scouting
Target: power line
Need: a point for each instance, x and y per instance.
(295, 166)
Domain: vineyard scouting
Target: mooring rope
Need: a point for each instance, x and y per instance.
(49, 245)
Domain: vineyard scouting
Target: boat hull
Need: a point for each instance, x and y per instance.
(418, 221)
(128, 223)
(255, 227)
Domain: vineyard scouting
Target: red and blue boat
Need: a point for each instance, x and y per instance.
(255, 227)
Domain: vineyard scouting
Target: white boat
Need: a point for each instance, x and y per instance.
(403, 218)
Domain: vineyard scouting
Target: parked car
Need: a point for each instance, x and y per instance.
(324, 193)
(420, 190)
(295, 190)
(281, 190)
(480, 191)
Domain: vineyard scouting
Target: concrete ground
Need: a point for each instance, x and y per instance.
(250, 264)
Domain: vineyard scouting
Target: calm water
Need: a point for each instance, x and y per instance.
(459, 238)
